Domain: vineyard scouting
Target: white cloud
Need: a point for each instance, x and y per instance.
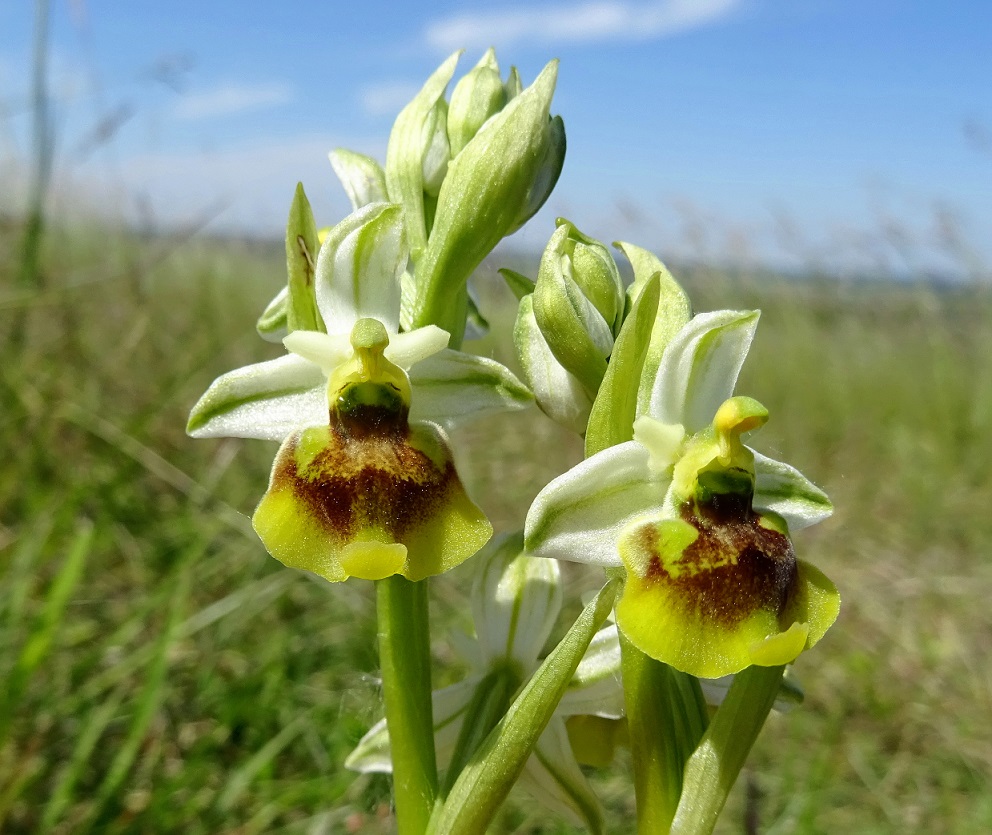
(246, 188)
(576, 22)
(388, 98)
(229, 99)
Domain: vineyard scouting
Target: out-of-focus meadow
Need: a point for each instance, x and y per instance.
(162, 674)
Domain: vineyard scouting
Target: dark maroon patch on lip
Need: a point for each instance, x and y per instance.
(369, 474)
(710, 584)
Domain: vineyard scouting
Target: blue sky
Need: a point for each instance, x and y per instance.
(790, 131)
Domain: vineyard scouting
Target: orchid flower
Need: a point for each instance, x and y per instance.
(516, 600)
(699, 522)
(364, 483)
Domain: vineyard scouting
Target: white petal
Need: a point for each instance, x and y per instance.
(554, 778)
(452, 387)
(700, 366)
(268, 400)
(596, 687)
(786, 491)
(515, 603)
(359, 268)
(325, 350)
(579, 515)
(661, 440)
(407, 349)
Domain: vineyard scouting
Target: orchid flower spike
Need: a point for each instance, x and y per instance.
(364, 484)
(699, 522)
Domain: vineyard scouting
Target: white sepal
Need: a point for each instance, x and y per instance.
(784, 490)
(579, 515)
(267, 400)
(359, 268)
(452, 387)
(515, 602)
(363, 179)
(553, 777)
(700, 366)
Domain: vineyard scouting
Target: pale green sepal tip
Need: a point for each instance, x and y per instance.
(273, 324)
(518, 283)
(786, 491)
(476, 97)
(615, 407)
(453, 387)
(362, 177)
(487, 779)
(301, 256)
(406, 149)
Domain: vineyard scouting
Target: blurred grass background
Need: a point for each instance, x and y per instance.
(162, 674)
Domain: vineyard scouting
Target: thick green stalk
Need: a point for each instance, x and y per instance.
(405, 659)
(666, 714)
(713, 768)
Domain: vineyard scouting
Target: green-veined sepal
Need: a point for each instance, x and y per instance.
(515, 602)
(359, 268)
(699, 367)
(362, 177)
(786, 491)
(267, 401)
(579, 515)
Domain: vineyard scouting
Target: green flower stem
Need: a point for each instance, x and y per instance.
(489, 704)
(666, 714)
(713, 768)
(405, 658)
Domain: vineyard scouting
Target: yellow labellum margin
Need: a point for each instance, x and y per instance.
(370, 494)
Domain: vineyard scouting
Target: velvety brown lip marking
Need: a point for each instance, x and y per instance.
(711, 584)
(369, 475)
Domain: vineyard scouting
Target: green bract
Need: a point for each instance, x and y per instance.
(364, 484)
(699, 521)
(515, 602)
